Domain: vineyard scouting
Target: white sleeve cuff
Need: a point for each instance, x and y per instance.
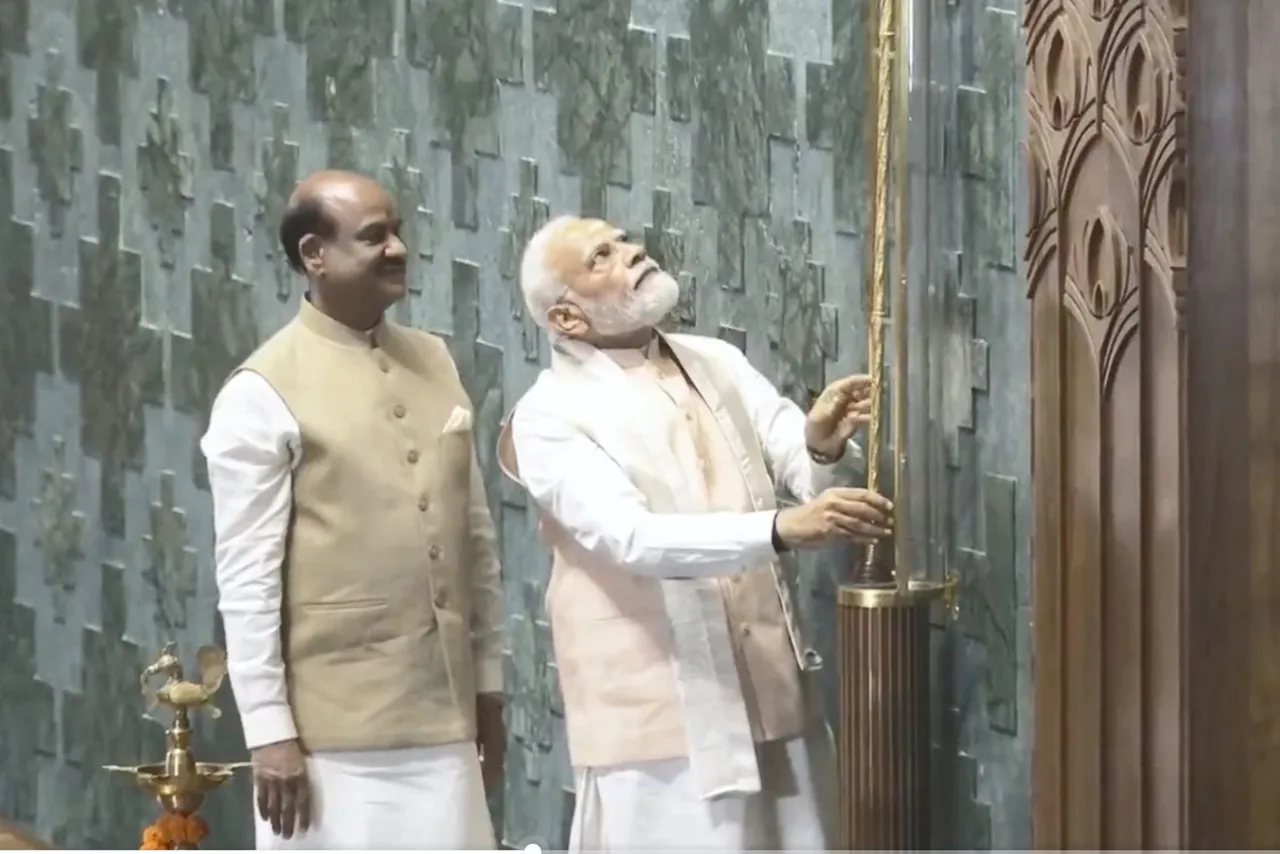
(268, 725)
(757, 533)
(489, 675)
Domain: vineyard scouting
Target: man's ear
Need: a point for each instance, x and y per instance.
(311, 250)
(568, 320)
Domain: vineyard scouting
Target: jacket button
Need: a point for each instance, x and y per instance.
(746, 631)
(434, 552)
(441, 599)
(412, 457)
(384, 366)
(423, 504)
(399, 410)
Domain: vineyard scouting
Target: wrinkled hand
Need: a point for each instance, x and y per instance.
(843, 408)
(839, 515)
(284, 792)
(491, 739)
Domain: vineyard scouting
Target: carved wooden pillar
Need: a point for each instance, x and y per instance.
(1156, 348)
(1106, 274)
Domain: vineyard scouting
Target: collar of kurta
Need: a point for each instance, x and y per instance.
(339, 333)
(634, 357)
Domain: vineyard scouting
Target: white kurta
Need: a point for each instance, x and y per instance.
(427, 798)
(658, 805)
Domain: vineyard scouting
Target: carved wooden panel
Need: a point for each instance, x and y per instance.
(1106, 258)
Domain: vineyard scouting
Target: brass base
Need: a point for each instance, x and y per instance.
(884, 735)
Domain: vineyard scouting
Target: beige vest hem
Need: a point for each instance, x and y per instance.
(431, 736)
(589, 749)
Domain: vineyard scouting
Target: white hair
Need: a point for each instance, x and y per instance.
(541, 286)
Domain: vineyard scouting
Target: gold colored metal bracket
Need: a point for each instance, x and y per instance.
(917, 591)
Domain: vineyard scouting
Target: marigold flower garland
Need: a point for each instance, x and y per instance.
(172, 830)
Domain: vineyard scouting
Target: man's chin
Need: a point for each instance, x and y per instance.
(394, 286)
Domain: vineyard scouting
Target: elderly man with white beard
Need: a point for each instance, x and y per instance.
(653, 460)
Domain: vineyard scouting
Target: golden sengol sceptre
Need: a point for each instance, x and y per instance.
(883, 614)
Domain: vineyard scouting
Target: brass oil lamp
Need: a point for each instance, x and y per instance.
(179, 783)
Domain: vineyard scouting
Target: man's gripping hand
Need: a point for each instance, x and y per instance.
(838, 515)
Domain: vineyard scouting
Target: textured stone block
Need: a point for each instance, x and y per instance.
(27, 713)
(780, 97)
(224, 330)
(116, 361)
(276, 177)
(830, 121)
(480, 367)
(342, 38)
(796, 318)
(26, 329)
(171, 561)
(15, 21)
(665, 245)
(164, 176)
(537, 701)
(55, 144)
(106, 42)
(989, 607)
(734, 335)
(528, 213)
(221, 64)
(679, 79)
(59, 531)
(730, 152)
(596, 92)
(404, 180)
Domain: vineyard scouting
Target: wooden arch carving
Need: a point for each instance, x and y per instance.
(1106, 261)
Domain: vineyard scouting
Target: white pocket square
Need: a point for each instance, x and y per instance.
(459, 420)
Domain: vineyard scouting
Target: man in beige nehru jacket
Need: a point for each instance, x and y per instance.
(653, 461)
(356, 564)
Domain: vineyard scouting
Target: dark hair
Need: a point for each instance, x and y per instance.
(308, 216)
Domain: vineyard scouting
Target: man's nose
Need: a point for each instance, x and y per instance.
(635, 254)
(395, 247)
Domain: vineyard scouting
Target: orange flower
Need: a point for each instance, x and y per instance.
(153, 839)
(173, 829)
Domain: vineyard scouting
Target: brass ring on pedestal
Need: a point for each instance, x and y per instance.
(892, 596)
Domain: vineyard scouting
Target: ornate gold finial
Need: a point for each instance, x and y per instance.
(180, 782)
(176, 693)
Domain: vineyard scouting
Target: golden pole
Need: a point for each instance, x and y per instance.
(882, 621)
(882, 33)
(902, 238)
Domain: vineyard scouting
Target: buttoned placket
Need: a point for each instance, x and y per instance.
(412, 457)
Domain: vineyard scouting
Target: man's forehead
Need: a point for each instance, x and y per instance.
(577, 231)
(361, 199)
